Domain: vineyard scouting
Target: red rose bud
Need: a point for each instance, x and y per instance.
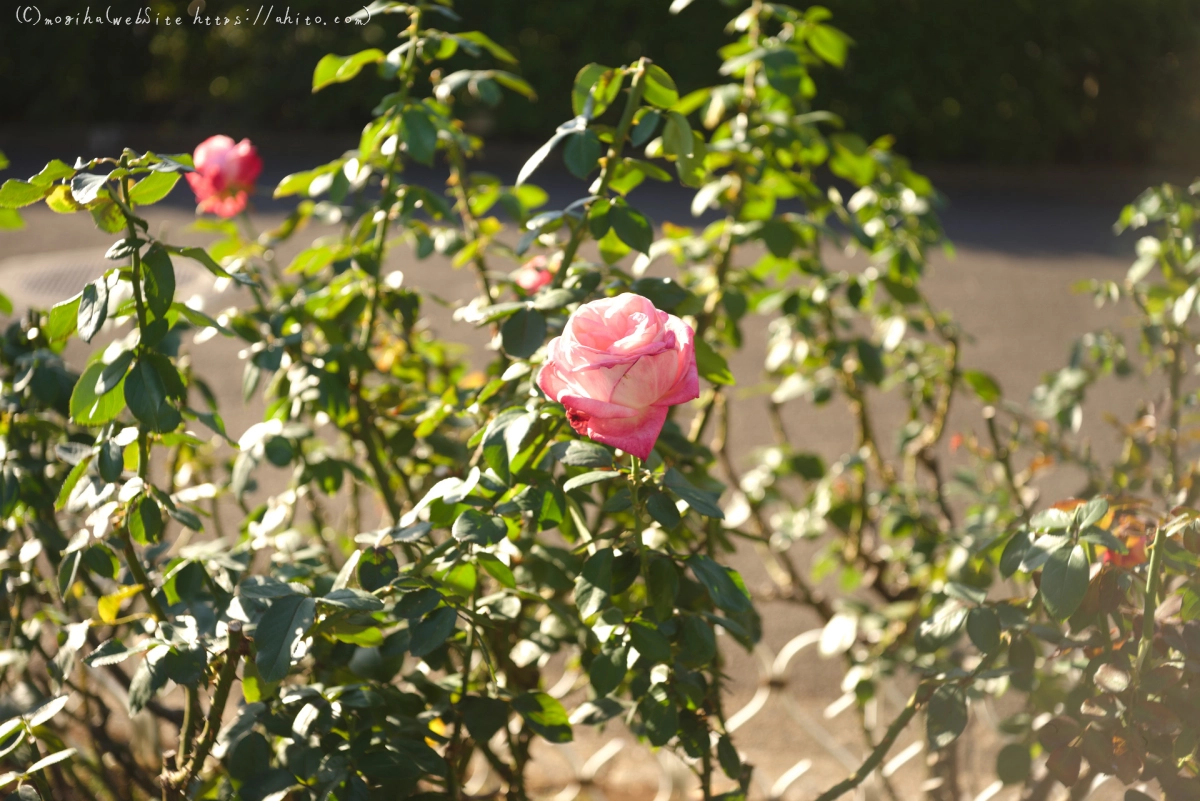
(225, 175)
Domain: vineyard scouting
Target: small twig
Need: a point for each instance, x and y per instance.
(636, 89)
(181, 779)
(876, 757)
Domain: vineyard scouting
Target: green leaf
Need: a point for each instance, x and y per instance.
(281, 628)
(16, 194)
(420, 135)
(608, 668)
(474, 526)
(677, 136)
(153, 188)
(1064, 581)
(433, 631)
(1092, 512)
(339, 69)
(585, 79)
(699, 642)
(659, 87)
(377, 568)
(723, 590)
(946, 716)
(497, 570)
(148, 679)
(55, 170)
(1014, 763)
(612, 249)
(522, 333)
(569, 127)
(64, 492)
(146, 396)
(90, 409)
(349, 598)
(942, 627)
(544, 715)
(851, 159)
(582, 153)
(983, 627)
(484, 716)
(659, 716)
(593, 585)
(312, 260)
(649, 641)
(107, 216)
(158, 277)
(1014, 553)
(712, 365)
(663, 586)
(146, 521)
(632, 227)
(483, 40)
(515, 83)
(582, 453)
(11, 220)
(85, 187)
(662, 292)
(645, 128)
(586, 479)
(662, 509)
(114, 373)
(46, 762)
(984, 385)
(829, 43)
(62, 320)
(703, 502)
(93, 308)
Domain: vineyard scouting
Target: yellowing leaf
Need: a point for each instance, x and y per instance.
(109, 607)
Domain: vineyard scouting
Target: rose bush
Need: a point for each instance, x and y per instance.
(418, 565)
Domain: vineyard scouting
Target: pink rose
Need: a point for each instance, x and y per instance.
(225, 174)
(619, 364)
(534, 274)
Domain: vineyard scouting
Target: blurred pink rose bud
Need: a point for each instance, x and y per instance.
(535, 273)
(225, 174)
(619, 364)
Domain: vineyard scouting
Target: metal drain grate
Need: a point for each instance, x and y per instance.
(38, 281)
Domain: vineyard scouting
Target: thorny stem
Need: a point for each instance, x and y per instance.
(1153, 579)
(1004, 456)
(1175, 402)
(918, 700)
(191, 719)
(807, 594)
(458, 179)
(143, 440)
(452, 778)
(579, 230)
(216, 709)
(869, 738)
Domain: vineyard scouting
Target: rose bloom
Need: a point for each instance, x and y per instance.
(618, 366)
(534, 274)
(1136, 544)
(225, 174)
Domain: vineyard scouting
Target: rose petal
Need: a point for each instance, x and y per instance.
(635, 433)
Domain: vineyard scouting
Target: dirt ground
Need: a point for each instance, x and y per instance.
(1022, 239)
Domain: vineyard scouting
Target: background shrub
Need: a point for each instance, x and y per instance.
(1009, 81)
